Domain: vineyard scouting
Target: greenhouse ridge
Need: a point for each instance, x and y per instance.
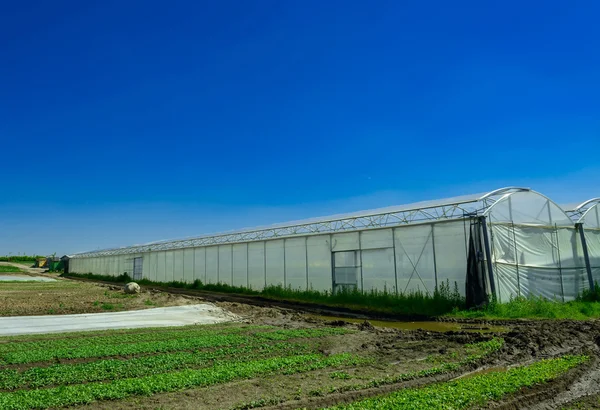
(449, 208)
(513, 241)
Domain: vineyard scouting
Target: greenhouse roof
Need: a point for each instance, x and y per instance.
(419, 212)
(578, 212)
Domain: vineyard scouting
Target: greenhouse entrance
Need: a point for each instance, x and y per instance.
(345, 270)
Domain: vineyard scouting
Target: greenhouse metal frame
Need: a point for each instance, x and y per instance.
(407, 248)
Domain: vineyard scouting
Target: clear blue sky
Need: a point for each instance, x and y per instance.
(124, 122)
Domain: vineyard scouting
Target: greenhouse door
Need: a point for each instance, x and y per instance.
(137, 268)
(345, 270)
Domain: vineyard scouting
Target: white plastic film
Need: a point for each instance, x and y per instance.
(345, 241)
(169, 266)
(188, 265)
(275, 263)
(145, 265)
(378, 270)
(538, 261)
(528, 208)
(153, 269)
(295, 263)
(381, 238)
(161, 267)
(414, 258)
(256, 265)
(319, 263)
(200, 264)
(212, 264)
(451, 254)
(240, 264)
(178, 265)
(225, 264)
(592, 238)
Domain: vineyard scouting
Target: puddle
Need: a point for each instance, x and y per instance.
(427, 325)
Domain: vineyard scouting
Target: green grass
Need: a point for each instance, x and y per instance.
(444, 300)
(474, 391)
(586, 306)
(9, 269)
(24, 259)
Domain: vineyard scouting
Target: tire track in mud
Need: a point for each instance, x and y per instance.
(527, 342)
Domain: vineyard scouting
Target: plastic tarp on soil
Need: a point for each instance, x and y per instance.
(168, 316)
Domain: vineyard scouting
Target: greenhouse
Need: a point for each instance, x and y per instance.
(508, 242)
(586, 217)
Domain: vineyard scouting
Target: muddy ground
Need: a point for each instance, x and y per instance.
(397, 351)
(393, 347)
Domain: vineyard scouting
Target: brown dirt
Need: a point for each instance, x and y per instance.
(68, 297)
(393, 352)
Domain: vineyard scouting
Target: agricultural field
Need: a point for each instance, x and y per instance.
(68, 297)
(287, 358)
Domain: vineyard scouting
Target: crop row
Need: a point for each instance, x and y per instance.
(474, 391)
(99, 340)
(121, 332)
(119, 389)
(207, 341)
(476, 352)
(113, 369)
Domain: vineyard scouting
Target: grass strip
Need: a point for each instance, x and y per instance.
(113, 369)
(205, 341)
(121, 339)
(443, 300)
(473, 391)
(9, 268)
(120, 389)
(8, 340)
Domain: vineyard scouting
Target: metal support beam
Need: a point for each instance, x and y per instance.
(586, 256)
(488, 255)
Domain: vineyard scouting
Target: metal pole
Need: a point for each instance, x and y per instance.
(434, 257)
(248, 265)
(488, 255)
(284, 267)
(218, 264)
(516, 258)
(205, 265)
(562, 287)
(306, 258)
(395, 263)
(332, 265)
(586, 256)
(265, 261)
(361, 260)
(231, 265)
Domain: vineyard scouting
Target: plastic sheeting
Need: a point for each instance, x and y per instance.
(592, 237)
(537, 261)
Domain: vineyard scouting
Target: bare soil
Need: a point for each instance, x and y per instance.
(392, 352)
(69, 297)
(395, 352)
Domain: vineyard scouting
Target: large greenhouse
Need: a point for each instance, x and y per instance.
(508, 242)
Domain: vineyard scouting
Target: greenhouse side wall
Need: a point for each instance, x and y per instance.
(403, 259)
(536, 250)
